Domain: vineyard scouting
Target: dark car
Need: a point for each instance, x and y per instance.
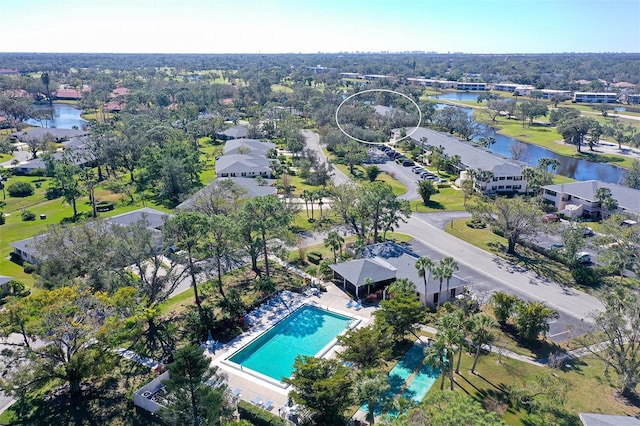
(407, 163)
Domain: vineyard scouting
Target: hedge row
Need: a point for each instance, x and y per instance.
(257, 416)
(314, 257)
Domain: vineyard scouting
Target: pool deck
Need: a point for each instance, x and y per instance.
(334, 299)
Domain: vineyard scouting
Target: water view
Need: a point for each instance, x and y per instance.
(61, 116)
(574, 168)
(458, 96)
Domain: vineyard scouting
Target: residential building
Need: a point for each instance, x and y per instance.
(442, 84)
(4, 283)
(506, 175)
(578, 198)
(242, 165)
(633, 98)
(235, 132)
(595, 97)
(467, 85)
(519, 89)
(386, 262)
(253, 187)
(27, 250)
(558, 94)
(253, 147)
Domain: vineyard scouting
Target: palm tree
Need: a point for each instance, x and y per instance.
(313, 196)
(305, 197)
(450, 266)
(436, 356)
(370, 389)
(481, 326)
(368, 282)
(438, 272)
(334, 241)
(423, 265)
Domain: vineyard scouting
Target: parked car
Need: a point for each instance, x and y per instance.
(587, 232)
(583, 257)
(407, 163)
(555, 246)
(628, 222)
(551, 217)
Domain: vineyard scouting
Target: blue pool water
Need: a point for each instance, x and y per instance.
(417, 387)
(304, 332)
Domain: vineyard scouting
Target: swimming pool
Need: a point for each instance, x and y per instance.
(305, 332)
(411, 374)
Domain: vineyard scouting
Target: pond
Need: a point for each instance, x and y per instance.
(458, 96)
(574, 168)
(62, 116)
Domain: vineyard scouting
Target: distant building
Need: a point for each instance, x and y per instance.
(578, 198)
(633, 98)
(253, 147)
(519, 89)
(595, 97)
(243, 165)
(506, 175)
(320, 69)
(464, 85)
(235, 132)
(253, 188)
(27, 249)
(562, 95)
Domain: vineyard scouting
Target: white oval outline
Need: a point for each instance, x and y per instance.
(379, 90)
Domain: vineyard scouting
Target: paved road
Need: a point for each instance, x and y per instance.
(313, 143)
(487, 272)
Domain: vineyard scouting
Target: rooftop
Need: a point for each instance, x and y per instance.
(627, 198)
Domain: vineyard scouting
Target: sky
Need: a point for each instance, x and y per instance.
(310, 26)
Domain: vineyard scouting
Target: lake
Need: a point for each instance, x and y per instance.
(574, 168)
(63, 116)
(458, 96)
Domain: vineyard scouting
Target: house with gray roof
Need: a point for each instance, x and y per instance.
(253, 188)
(579, 198)
(506, 175)
(387, 262)
(253, 147)
(235, 132)
(4, 281)
(27, 250)
(58, 135)
(243, 165)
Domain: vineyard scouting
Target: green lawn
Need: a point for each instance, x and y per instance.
(589, 390)
(448, 198)
(358, 175)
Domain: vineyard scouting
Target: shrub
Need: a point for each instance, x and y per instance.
(20, 189)
(476, 224)
(53, 193)
(314, 257)
(257, 416)
(28, 268)
(584, 275)
(28, 215)
(3, 219)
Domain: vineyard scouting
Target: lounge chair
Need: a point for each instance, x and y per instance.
(349, 303)
(358, 306)
(268, 405)
(236, 392)
(257, 401)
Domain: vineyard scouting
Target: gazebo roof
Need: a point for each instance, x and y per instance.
(358, 270)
